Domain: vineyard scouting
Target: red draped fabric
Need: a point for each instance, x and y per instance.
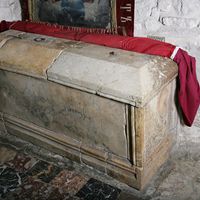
(188, 91)
(136, 44)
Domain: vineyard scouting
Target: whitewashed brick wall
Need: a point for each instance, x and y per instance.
(179, 22)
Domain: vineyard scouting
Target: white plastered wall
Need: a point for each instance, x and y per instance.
(178, 21)
(10, 10)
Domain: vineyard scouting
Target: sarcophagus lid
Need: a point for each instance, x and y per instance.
(124, 76)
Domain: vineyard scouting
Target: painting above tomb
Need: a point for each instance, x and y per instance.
(115, 16)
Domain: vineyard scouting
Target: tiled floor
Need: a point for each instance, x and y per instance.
(24, 177)
(27, 175)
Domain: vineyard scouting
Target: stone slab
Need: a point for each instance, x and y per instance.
(87, 118)
(46, 41)
(160, 119)
(117, 74)
(25, 57)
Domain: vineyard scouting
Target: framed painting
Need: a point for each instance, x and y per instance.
(115, 16)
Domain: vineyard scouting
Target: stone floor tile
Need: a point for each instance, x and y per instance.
(180, 184)
(44, 171)
(6, 154)
(30, 189)
(97, 190)
(35, 189)
(25, 178)
(127, 196)
(21, 162)
(10, 179)
(69, 182)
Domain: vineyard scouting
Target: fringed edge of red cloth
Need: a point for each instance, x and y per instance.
(188, 91)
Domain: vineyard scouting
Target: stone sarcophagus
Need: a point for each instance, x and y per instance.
(107, 108)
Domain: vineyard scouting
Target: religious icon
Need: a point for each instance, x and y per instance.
(94, 14)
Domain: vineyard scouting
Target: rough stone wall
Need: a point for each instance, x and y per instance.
(178, 21)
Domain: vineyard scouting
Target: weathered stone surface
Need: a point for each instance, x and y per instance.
(160, 119)
(41, 40)
(26, 57)
(156, 160)
(121, 75)
(85, 117)
(124, 175)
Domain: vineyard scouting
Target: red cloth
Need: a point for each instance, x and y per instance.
(188, 94)
(136, 44)
(189, 90)
(4, 25)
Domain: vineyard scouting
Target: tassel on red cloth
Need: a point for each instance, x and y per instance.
(189, 91)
